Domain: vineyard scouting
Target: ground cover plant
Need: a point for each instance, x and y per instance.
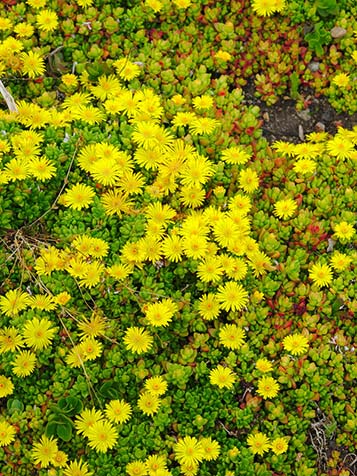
(177, 293)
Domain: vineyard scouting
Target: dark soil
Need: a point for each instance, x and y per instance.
(283, 122)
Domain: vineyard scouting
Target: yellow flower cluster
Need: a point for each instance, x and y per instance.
(259, 443)
(99, 430)
(340, 147)
(13, 58)
(189, 452)
(27, 159)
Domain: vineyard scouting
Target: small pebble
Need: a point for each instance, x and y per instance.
(338, 32)
(304, 115)
(301, 133)
(314, 66)
(320, 127)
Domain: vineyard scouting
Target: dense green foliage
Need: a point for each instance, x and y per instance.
(148, 229)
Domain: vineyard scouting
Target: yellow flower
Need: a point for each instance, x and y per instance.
(149, 403)
(6, 386)
(4, 146)
(10, 340)
(344, 231)
(131, 182)
(69, 80)
(210, 270)
(182, 3)
(156, 5)
(105, 171)
(321, 275)
(16, 169)
(263, 365)
(91, 275)
(60, 459)
(196, 171)
(47, 20)
(89, 114)
(42, 168)
(7, 433)
(156, 385)
(284, 148)
(75, 358)
(13, 302)
(62, 298)
(5, 24)
(339, 262)
(237, 269)
(267, 7)
(75, 468)
(232, 336)
(203, 125)
(258, 443)
(126, 69)
(89, 246)
(192, 196)
(90, 348)
(223, 55)
(285, 208)
(248, 180)
(341, 80)
(118, 411)
(132, 254)
(235, 155)
(150, 248)
(24, 363)
(240, 202)
(102, 436)
(85, 3)
(296, 344)
(119, 271)
(38, 333)
(208, 306)
(93, 327)
(24, 30)
(221, 376)
(317, 136)
(178, 100)
(305, 166)
(268, 387)
(108, 86)
(136, 468)
(189, 469)
(32, 64)
(340, 147)
(155, 464)
(182, 119)
(116, 202)
(86, 419)
(137, 339)
(279, 445)
(210, 448)
(257, 296)
(44, 451)
(188, 450)
(172, 248)
(308, 150)
(202, 102)
(79, 196)
(36, 3)
(195, 247)
(232, 296)
(76, 100)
